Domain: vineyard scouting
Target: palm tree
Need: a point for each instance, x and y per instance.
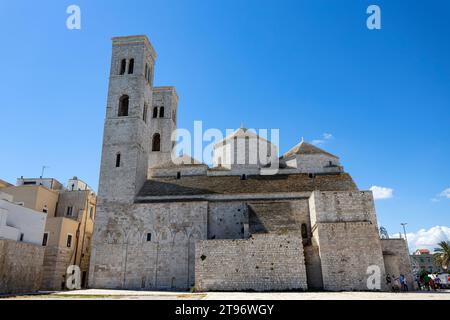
(442, 254)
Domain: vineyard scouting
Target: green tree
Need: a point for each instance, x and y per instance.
(442, 254)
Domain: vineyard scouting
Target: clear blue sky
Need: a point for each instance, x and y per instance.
(305, 67)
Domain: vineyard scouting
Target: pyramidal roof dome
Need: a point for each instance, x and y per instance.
(183, 160)
(240, 133)
(306, 148)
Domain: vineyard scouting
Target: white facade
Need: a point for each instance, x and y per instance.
(76, 184)
(245, 151)
(19, 223)
(49, 183)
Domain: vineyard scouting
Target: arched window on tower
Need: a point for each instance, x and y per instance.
(131, 66)
(156, 142)
(155, 112)
(161, 112)
(123, 106)
(123, 65)
(304, 231)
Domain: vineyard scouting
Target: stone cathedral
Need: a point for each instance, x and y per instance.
(166, 224)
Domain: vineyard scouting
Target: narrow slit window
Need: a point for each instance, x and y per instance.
(161, 112)
(118, 160)
(131, 66)
(45, 239)
(123, 65)
(144, 115)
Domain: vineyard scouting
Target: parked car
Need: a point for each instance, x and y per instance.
(444, 279)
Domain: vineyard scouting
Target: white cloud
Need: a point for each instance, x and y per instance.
(325, 138)
(443, 194)
(382, 192)
(428, 239)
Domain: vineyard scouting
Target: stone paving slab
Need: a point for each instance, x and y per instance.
(160, 295)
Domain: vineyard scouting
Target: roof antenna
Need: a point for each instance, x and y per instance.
(43, 169)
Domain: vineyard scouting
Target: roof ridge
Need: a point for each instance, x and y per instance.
(304, 147)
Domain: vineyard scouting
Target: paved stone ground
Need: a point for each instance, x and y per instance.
(158, 295)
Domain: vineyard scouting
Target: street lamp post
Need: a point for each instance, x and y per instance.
(404, 230)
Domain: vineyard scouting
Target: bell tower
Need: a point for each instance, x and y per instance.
(126, 135)
(163, 122)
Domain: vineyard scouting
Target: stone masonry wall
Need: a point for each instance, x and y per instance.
(146, 246)
(20, 267)
(227, 220)
(397, 260)
(342, 206)
(315, 163)
(346, 250)
(263, 263)
(56, 261)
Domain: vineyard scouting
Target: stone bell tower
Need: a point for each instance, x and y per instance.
(127, 137)
(162, 124)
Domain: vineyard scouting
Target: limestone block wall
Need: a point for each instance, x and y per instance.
(227, 220)
(275, 216)
(122, 183)
(266, 262)
(342, 206)
(184, 170)
(126, 135)
(346, 250)
(146, 246)
(313, 266)
(397, 260)
(56, 261)
(315, 163)
(20, 267)
(163, 97)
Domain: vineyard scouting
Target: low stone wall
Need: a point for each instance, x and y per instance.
(146, 246)
(266, 262)
(397, 260)
(347, 250)
(56, 261)
(20, 267)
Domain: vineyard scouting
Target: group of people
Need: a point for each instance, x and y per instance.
(397, 284)
(425, 282)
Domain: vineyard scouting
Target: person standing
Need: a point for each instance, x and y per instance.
(405, 283)
(437, 282)
(419, 284)
(388, 281)
(396, 285)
